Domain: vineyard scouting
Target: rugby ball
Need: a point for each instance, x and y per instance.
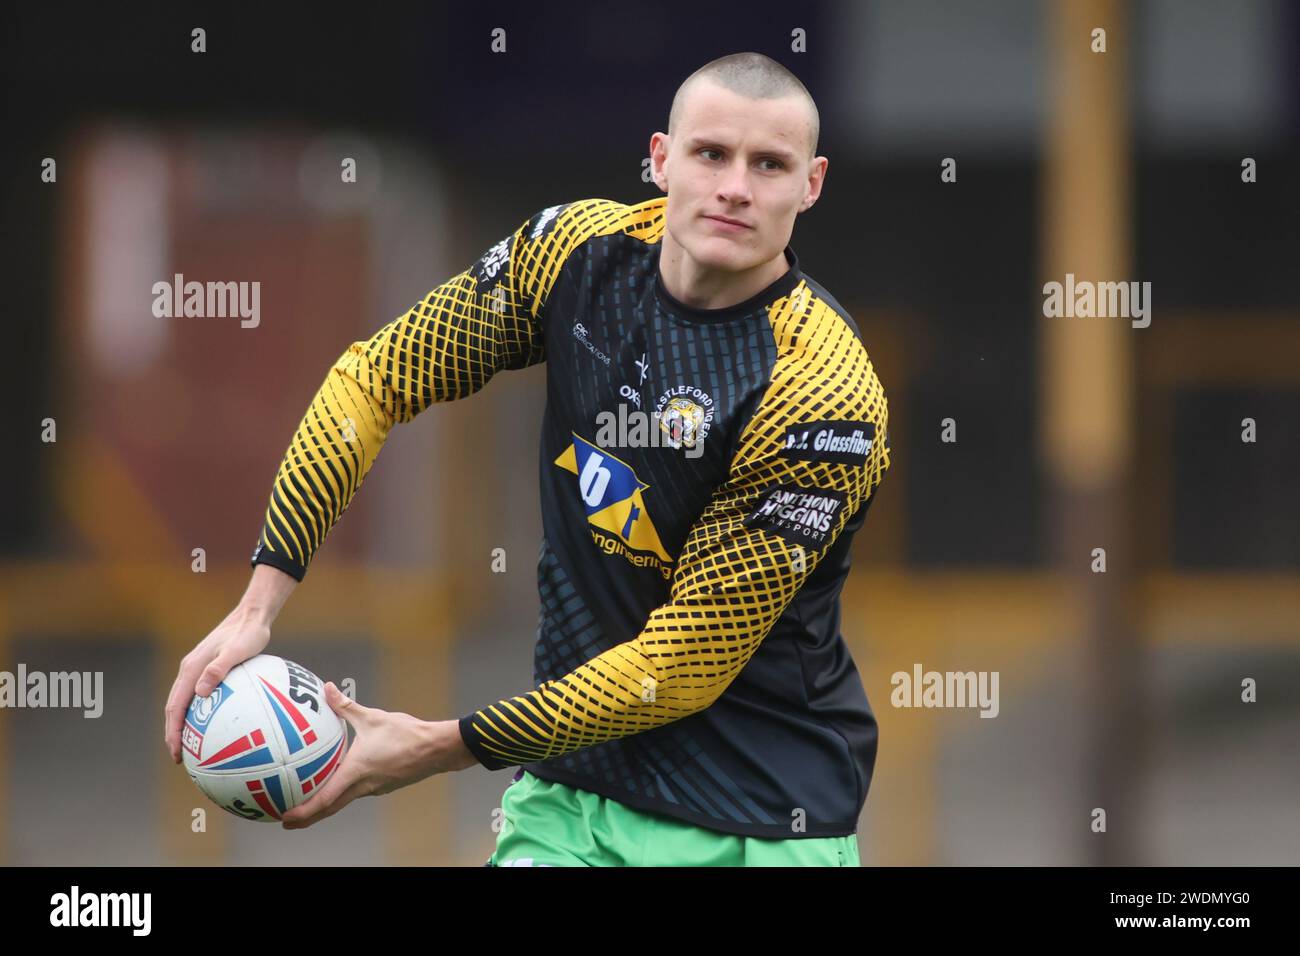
(264, 740)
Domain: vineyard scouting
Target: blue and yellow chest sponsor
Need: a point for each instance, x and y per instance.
(613, 497)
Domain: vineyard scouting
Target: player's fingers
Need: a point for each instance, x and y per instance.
(356, 715)
(217, 670)
(317, 809)
(344, 778)
(178, 702)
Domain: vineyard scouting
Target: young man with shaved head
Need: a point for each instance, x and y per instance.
(695, 702)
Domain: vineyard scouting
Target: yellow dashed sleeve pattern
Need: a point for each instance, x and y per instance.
(487, 319)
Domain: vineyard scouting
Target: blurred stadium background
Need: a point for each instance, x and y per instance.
(1118, 690)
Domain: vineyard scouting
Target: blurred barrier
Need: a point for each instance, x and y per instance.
(890, 618)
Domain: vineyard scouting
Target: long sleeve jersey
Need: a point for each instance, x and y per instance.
(702, 473)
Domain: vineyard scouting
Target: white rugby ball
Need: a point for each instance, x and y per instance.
(264, 740)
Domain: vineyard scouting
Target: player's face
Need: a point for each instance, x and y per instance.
(737, 172)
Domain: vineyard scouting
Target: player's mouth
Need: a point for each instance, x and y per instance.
(728, 225)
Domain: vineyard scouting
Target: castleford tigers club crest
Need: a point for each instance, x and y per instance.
(685, 414)
(681, 421)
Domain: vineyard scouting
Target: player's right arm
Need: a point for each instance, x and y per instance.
(447, 346)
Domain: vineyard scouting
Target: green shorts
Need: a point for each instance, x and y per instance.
(551, 824)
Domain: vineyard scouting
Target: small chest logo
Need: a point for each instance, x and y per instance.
(580, 333)
(685, 415)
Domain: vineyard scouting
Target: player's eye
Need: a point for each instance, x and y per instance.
(705, 151)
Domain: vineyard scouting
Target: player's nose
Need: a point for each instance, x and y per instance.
(734, 187)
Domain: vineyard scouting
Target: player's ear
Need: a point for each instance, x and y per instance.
(821, 165)
(660, 143)
(816, 179)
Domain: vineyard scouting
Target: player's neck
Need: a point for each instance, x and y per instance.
(703, 287)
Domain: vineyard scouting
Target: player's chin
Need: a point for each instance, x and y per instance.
(725, 252)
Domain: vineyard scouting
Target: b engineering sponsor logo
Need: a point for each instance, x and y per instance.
(845, 442)
(102, 909)
(804, 516)
(616, 510)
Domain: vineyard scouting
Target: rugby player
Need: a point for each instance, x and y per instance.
(695, 702)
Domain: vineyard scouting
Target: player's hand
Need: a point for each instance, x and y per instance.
(240, 636)
(389, 751)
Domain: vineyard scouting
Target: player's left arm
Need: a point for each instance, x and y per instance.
(741, 565)
(743, 561)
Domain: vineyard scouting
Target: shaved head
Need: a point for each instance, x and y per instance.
(751, 75)
(738, 166)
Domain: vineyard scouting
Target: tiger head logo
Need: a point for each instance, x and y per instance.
(680, 421)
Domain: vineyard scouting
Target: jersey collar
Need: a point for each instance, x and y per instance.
(781, 287)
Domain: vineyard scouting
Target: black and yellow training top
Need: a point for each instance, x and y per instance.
(702, 473)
